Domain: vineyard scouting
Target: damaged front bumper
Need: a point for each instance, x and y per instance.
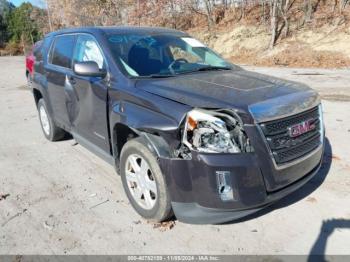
(199, 198)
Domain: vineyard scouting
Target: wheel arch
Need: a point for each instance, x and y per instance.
(122, 133)
(37, 95)
(129, 120)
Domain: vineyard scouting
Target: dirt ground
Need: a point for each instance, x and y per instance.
(58, 198)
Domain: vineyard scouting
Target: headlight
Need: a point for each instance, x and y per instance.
(219, 131)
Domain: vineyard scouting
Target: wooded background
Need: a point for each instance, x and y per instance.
(21, 26)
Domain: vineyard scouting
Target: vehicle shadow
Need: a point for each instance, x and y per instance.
(317, 252)
(66, 137)
(302, 192)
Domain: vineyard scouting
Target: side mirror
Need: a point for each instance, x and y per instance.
(88, 68)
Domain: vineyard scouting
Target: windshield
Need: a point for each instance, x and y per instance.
(163, 55)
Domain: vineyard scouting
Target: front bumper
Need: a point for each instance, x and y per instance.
(194, 190)
(196, 214)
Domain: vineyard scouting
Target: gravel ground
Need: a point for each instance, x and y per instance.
(64, 200)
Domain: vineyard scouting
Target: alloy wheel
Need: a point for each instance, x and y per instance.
(44, 119)
(140, 181)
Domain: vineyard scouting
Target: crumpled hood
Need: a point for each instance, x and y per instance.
(239, 89)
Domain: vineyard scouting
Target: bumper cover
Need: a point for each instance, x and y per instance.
(194, 213)
(194, 192)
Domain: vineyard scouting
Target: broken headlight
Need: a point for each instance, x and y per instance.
(219, 131)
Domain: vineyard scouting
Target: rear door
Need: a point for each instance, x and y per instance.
(59, 73)
(89, 99)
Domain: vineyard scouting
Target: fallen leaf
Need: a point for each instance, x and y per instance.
(4, 196)
(311, 199)
(163, 226)
(336, 157)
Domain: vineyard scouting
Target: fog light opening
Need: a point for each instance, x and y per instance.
(223, 179)
(222, 189)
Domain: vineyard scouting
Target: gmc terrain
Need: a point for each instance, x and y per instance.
(190, 133)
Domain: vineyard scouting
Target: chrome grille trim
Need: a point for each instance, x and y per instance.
(320, 135)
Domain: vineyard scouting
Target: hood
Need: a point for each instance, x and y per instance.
(265, 97)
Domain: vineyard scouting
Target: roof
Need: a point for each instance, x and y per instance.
(120, 30)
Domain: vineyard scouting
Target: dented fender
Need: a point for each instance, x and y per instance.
(159, 131)
(141, 118)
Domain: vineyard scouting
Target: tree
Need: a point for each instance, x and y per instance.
(279, 16)
(307, 10)
(209, 14)
(22, 27)
(5, 9)
(274, 21)
(284, 8)
(3, 31)
(68, 13)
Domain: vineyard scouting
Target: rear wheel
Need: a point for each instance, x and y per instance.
(143, 182)
(50, 130)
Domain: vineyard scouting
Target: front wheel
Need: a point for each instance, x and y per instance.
(50, 130)
(143, 182)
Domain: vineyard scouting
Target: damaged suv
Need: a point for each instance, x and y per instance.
(190, 133)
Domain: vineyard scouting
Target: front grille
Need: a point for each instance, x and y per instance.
(285, 148)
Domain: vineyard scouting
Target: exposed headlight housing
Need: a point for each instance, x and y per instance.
(219, 131)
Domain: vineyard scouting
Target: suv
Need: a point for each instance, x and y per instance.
(190, 133)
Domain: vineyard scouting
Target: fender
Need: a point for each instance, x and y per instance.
(141, 118)
(40, 84)
(156, 144)
(147, 124)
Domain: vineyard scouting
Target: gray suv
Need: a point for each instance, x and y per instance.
(190, 133)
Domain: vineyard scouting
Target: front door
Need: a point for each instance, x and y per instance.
(88, 100)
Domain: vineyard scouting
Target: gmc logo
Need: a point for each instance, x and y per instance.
(301, 128)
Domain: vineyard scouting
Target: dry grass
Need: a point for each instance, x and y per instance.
(324, 42)
(327, 47)
(294, 56)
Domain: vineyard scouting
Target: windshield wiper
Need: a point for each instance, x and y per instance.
(159, 76)
(154, 76)
(209, 68)
(205, 68)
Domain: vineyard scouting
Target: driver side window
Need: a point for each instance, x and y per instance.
(88, 50)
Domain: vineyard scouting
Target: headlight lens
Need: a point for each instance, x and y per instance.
(219, 131)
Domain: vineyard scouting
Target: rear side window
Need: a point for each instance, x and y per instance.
(62, 51)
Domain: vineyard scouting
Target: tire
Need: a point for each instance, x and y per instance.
(50, 130)
(160, 207)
